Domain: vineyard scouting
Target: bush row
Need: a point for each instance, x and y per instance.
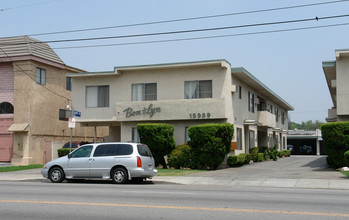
(263, 153)
(207, 148)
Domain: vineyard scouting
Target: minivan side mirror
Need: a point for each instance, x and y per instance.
(69, 156)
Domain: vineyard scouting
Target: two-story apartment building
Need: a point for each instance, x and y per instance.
(337, 78)
(33, 87)
(182, 94)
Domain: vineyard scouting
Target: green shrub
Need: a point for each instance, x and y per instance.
(210, 143)
(287, 153)
(63, 151)
(159, 138)
(265, 151)
(273, 152)
(346, 156)
(260, 157)
(254, 151)
(336, 141)
(236, 160)
(281, 153)
(180, 157)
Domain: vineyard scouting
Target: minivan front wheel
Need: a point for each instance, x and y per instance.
(119, 175)
(56, 175)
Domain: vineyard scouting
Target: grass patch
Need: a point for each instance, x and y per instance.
(345, 173)
(177, 172)
(16, 168)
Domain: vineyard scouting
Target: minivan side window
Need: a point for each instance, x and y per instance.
(143, 150)
(124, 149)
(84, 151)
(104, 150)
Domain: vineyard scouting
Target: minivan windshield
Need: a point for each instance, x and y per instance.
(143, 150)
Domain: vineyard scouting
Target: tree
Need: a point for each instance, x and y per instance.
(307, 126)
(159, 138)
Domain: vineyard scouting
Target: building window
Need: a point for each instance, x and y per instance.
(144, 92)
(239, 138)
(240, 92)
(250, 102)
(198, 89)
(135, 136)
(251, 139)
(40, 76)
(283, 117)
(277, 114)
(6, 108)
(186, 135)
(271, 142)
(68, 83)
(97, 96)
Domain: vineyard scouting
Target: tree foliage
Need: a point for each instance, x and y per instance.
(307, 126)
(159, 138)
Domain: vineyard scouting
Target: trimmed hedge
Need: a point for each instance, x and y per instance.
(346, 156)
(254, 153)
(159, 138)
(64, 151)
(260, 157)
(210, 144)
(336, 141)
(236, 160)
(180, 157)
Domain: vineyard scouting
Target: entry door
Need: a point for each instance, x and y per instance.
(5, 147)
(79, 163)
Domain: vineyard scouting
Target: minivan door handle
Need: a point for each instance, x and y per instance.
(91, 160)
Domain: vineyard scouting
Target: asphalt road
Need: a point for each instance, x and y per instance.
(103, 200)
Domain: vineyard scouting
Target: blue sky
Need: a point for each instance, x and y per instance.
(289, 63)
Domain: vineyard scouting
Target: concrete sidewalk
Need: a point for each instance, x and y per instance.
(292, 172)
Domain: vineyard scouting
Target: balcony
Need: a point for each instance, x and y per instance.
(332, 115)
(266, 119)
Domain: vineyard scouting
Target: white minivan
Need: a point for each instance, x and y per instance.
(119, 161)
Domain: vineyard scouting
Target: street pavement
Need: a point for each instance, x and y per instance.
(290, 172)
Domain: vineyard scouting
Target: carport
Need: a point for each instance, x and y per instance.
(305, 142)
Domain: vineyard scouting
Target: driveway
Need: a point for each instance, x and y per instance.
(294, 171)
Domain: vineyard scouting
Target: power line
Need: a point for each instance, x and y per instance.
(186, 31)
(201, 38)
(191, 18)
(27, 5)
(29, 75)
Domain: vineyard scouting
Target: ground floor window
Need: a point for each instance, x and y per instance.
(186, 135)
(135, 136)
(251, 139)
(270, 140)
(239, 138)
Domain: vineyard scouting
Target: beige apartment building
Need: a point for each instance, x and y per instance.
(337, 78)
(182, 94)
(33, 87)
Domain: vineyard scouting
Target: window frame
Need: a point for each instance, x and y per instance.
(145, 96)
(251, 101)
(198, 93)
(99, 102)
(68, 83)
(40, 76)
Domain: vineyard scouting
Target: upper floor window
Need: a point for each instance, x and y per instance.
(6, 108)
(97, 96)
(40, 76)
(250, 102)
(68, 83)
(198, 89)
(144, 92)
(240, 92)
(277, 114)
(283, 117)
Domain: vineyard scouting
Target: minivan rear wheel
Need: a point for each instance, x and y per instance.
(119, 175)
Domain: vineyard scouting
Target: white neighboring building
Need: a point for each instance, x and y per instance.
(182, 94)
(337, 78)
